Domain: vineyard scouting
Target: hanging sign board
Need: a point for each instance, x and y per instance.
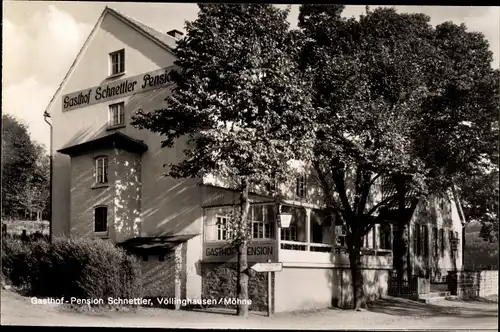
(257, 251)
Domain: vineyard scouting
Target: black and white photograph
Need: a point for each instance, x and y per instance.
(250, 165)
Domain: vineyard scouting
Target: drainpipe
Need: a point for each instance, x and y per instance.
(45, 116)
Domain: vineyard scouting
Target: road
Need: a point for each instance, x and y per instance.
(385, 314)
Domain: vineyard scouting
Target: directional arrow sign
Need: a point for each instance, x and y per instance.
(268, 267)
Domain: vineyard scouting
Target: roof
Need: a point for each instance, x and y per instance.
(162, 39)
(156, 244)
(114, 140)
(166, 40)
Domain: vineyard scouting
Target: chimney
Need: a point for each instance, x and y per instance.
(175, 33)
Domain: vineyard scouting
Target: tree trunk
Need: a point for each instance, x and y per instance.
(357, 279)
(356, 272)
(243, 274)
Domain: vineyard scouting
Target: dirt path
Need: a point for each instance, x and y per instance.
(389, 313)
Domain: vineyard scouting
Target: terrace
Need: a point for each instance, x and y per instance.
(308, 241)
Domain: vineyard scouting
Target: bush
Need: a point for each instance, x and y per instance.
(81, 268)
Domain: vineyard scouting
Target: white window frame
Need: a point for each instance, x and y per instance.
(116, 111)
(117, 62)
(102, 162)
(262, 223)
(289, 234)
(224, 233)
(101, 232)
(301, 186)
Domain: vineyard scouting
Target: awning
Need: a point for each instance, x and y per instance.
(152, 245)
(114, 140)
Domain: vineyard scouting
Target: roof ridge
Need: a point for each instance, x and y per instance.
(162, 39)
(154, 33)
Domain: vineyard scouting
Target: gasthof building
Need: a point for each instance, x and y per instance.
(107, 182)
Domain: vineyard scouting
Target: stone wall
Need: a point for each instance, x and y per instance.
(477, 284)
(219, 282)
(293, 288)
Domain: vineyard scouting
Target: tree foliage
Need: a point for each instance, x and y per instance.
(239, 97)
(25, 171)
(398, 100)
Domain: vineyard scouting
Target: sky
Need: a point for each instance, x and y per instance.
(42, 38)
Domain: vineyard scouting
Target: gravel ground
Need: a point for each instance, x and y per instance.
(386, 314)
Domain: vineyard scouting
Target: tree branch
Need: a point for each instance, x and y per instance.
(338, 179)
(385, 201)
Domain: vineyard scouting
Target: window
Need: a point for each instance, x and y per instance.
(341, 232)
(454, 252)
(223, 229)
(416, 239)
(262, 217)
(117, 60)
(450, 240)
(425, 241)
(300, 189)
(434, 241)
(101, 219)
(289, 234)
(101, 165)
(441, 241)
(270, 187)
(366, 239)
(116, 114)
(385, 236)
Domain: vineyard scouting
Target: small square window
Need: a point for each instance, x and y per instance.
(117, 62)
(101, 219)
(117, 114)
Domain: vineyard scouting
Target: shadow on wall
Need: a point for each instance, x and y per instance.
(375, 281)
(62, 180)
(84, 198)
(136, 42)
(127, 200)
(435, 213)
(168, 206)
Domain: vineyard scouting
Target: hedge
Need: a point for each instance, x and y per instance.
(84, 268)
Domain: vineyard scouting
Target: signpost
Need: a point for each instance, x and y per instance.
(269, 268)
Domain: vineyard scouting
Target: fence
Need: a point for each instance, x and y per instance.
(402, 287)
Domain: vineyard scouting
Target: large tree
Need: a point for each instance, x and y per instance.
(240, 99)
(386, 88)
(25, 180)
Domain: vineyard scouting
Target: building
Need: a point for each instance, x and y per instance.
(107, 182)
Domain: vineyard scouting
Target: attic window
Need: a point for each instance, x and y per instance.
(117, 62)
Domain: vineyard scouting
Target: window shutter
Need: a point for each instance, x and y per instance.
(415, 240)
(426, 241)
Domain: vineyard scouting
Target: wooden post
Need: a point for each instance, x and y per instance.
(269, 296)
(308, 229)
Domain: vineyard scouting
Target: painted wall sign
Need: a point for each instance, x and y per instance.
(257, 251)
(117, 89)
